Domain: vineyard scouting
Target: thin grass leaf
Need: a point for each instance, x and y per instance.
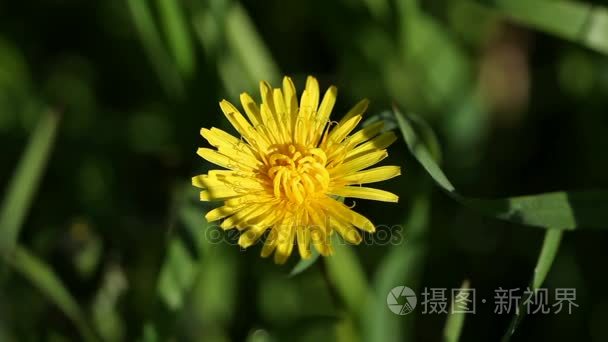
(304, 264)
(554, 210)
(25, 181)
(177, 275)
(43, 277)
(244, 40)
(551, 243)
(578, 22)
(403, 265)
(152, 43)
(455, 321)
(210, 29)
(347, 276)
(178, 35)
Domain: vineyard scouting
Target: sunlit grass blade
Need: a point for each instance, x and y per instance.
(555, 210)
(548, 252)
(105, 308)
(245, 41)
(551, 243)
(446, 75)
(43, 277)
(402, 265)
(304, 264)
(152, 43)
(25, 181)
(201, 279)
(179, 270)
(455, 322)
(347, 276)
(177, 275)
(579, 22)
(178, 35)
(228, 36)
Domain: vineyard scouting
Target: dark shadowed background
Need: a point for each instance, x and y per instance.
(111, 242)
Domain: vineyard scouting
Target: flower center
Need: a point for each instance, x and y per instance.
(297, 172)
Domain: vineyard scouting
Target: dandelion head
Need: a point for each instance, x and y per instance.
(289, 167)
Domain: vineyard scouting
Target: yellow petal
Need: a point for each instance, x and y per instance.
(345, 214)
(378, 143)
(366, 133)
(250, 199)
(251, 109)
(282, 117)
(347, 231)
(221, 160)
(266, 93)
(270, 123)
(329, 100)
(365, 193)
(271, 243)
(359, 163)
(303, 242)
(234, 116)
(358, 109)
(251, 235)
(284, 244)
(233, 181)
(217, 194)
(319, 232)
(242, 217)
(217, 137)
(291, 99)
(238, 121)
(220, 213)
(376, 174)
(230, 146)
(341, 131)
(311, 103)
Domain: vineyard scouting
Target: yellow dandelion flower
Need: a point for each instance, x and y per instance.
(290, 165)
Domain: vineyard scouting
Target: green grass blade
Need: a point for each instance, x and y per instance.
(304, 264)
(402, 265)
(246, 43)
(25, 181)
(548, 252)
(455, 322)
(579, 22)
(347, 276)
(177, 275)
(551, 243)
(178, 35)
(152, 43)
(43, 277)
(557, 210)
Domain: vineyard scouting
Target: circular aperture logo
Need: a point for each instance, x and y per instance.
(401, 300)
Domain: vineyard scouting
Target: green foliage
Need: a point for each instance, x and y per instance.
(548, 252)
(555, 210)
(41, 276)
(103, 245)
(455, 322)
(25, 181)
(587, 24)
(153, 44)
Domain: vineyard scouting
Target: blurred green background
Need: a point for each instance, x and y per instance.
(101, 103)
